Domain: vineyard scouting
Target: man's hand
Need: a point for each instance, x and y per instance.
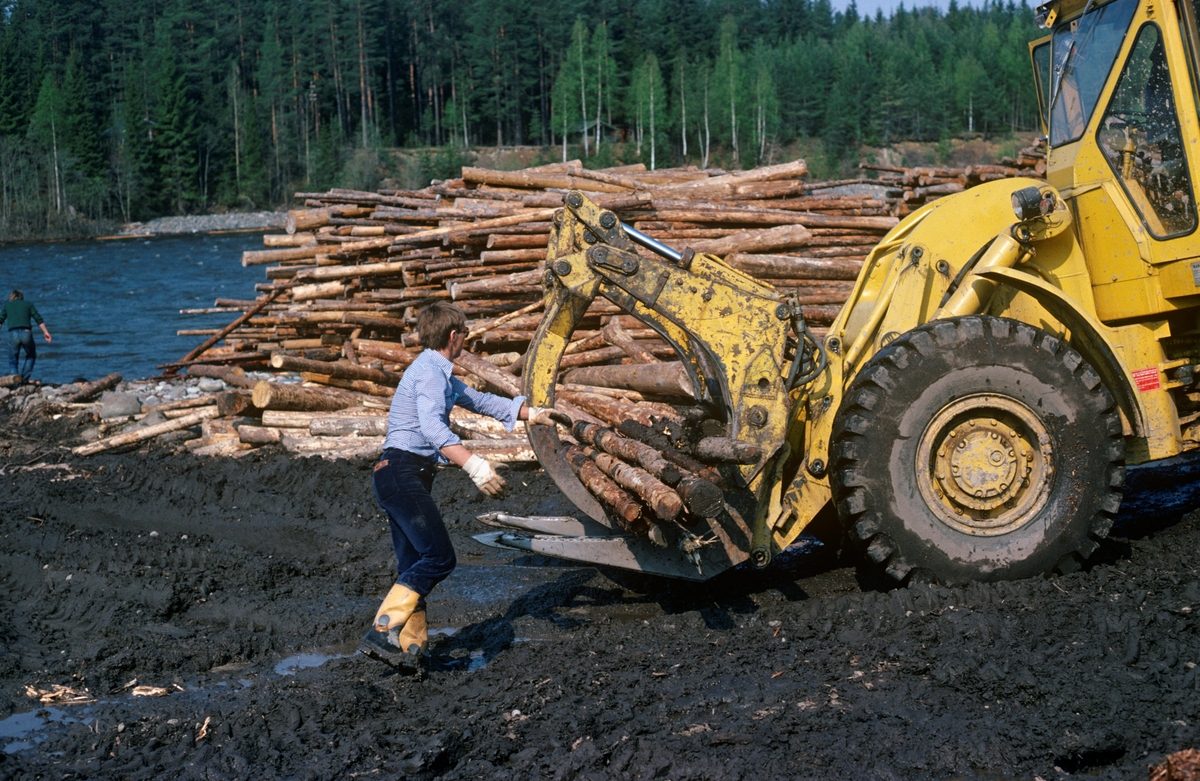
(483, 474)
(544, 416)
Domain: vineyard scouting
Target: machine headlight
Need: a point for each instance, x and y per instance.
(1030, 202)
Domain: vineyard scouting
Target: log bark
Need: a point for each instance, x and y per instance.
(335, 369)
(303, 419)
(93, 388)
(537, 181)
(791, 267)
(769, 240)
(339, 426)
(615, 335)
(306, 219)
(657, 495)
(288, 240)
(280, 396)
(663, 379)
(140, 435)
(643, 433)
(388, 351)
(726, 451)
(359, 386)
(264, 256)
(258, 435)
(627, 509)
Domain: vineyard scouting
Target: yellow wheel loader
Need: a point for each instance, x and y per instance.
(1004, 354)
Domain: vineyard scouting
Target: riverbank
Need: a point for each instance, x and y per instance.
(202, 223)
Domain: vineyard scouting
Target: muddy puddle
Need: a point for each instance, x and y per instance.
(247, 606)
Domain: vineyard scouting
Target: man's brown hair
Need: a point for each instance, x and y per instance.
(436, 321)
(16, 295)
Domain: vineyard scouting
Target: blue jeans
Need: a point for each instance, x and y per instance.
(424, 554)
(21, 339)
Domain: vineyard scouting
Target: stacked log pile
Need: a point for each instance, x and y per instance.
(338, 306)
(344, 284)
(914, 187)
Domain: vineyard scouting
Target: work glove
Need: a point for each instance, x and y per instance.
(483, 474)
(545, 416)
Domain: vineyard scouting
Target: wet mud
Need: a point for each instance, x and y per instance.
(240, 588)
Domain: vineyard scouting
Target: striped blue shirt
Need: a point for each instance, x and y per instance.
(419, 418)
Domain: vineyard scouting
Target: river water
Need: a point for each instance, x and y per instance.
(113, 306)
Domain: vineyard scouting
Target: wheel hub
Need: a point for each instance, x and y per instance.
(985, 464)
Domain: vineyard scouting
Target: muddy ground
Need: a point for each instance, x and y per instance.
(242, 586)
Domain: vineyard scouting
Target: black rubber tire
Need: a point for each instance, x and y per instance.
(908, 389)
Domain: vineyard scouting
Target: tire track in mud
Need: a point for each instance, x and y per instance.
(802, 671)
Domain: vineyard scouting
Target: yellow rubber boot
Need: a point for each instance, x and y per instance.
(414, 637)
(396, 609)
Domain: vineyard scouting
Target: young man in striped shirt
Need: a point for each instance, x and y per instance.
(419, 439)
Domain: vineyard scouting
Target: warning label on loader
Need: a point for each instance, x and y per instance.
(1147, 379)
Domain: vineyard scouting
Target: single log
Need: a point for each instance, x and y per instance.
(286, 240)
(613, 179)
(234, 403)
(498, 241)
(258, 435)
(790, 267)
(700, 496)
(615, 335)
(385, 268)
(280, 396)
(388, 351)
(306, 219)
(658, 496)
(129, 438)
(607, 408)
(663, 379)
(537, 181)
(230, 375)
(521, 282)
(471, 425)
(297, 441)
(92, 388)
(643, 433)
(339, 426)
(513, 255)
(771, 239)
(264, 256)
(302, 419)
(504, 451)
(318, 290)
(726, 451)
(627, 508)
(336, 369)
(605, 354)
(360, 386)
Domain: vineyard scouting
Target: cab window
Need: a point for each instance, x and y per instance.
(1040, 54)
(1083, 51)
(1140, 137)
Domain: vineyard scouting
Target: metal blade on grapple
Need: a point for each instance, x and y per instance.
(549, 452)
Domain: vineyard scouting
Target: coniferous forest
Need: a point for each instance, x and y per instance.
(119, 110)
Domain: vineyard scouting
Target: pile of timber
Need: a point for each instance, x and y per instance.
(914, 187)
(343, 285)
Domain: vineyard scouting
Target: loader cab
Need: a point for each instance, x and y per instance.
(1116, 86)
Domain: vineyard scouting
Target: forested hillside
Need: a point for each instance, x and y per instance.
(125, 109)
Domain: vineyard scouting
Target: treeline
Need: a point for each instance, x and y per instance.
(116, 110)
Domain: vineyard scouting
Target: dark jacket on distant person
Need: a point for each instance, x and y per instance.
(19, 313)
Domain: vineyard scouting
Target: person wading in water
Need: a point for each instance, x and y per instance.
(19, 314)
